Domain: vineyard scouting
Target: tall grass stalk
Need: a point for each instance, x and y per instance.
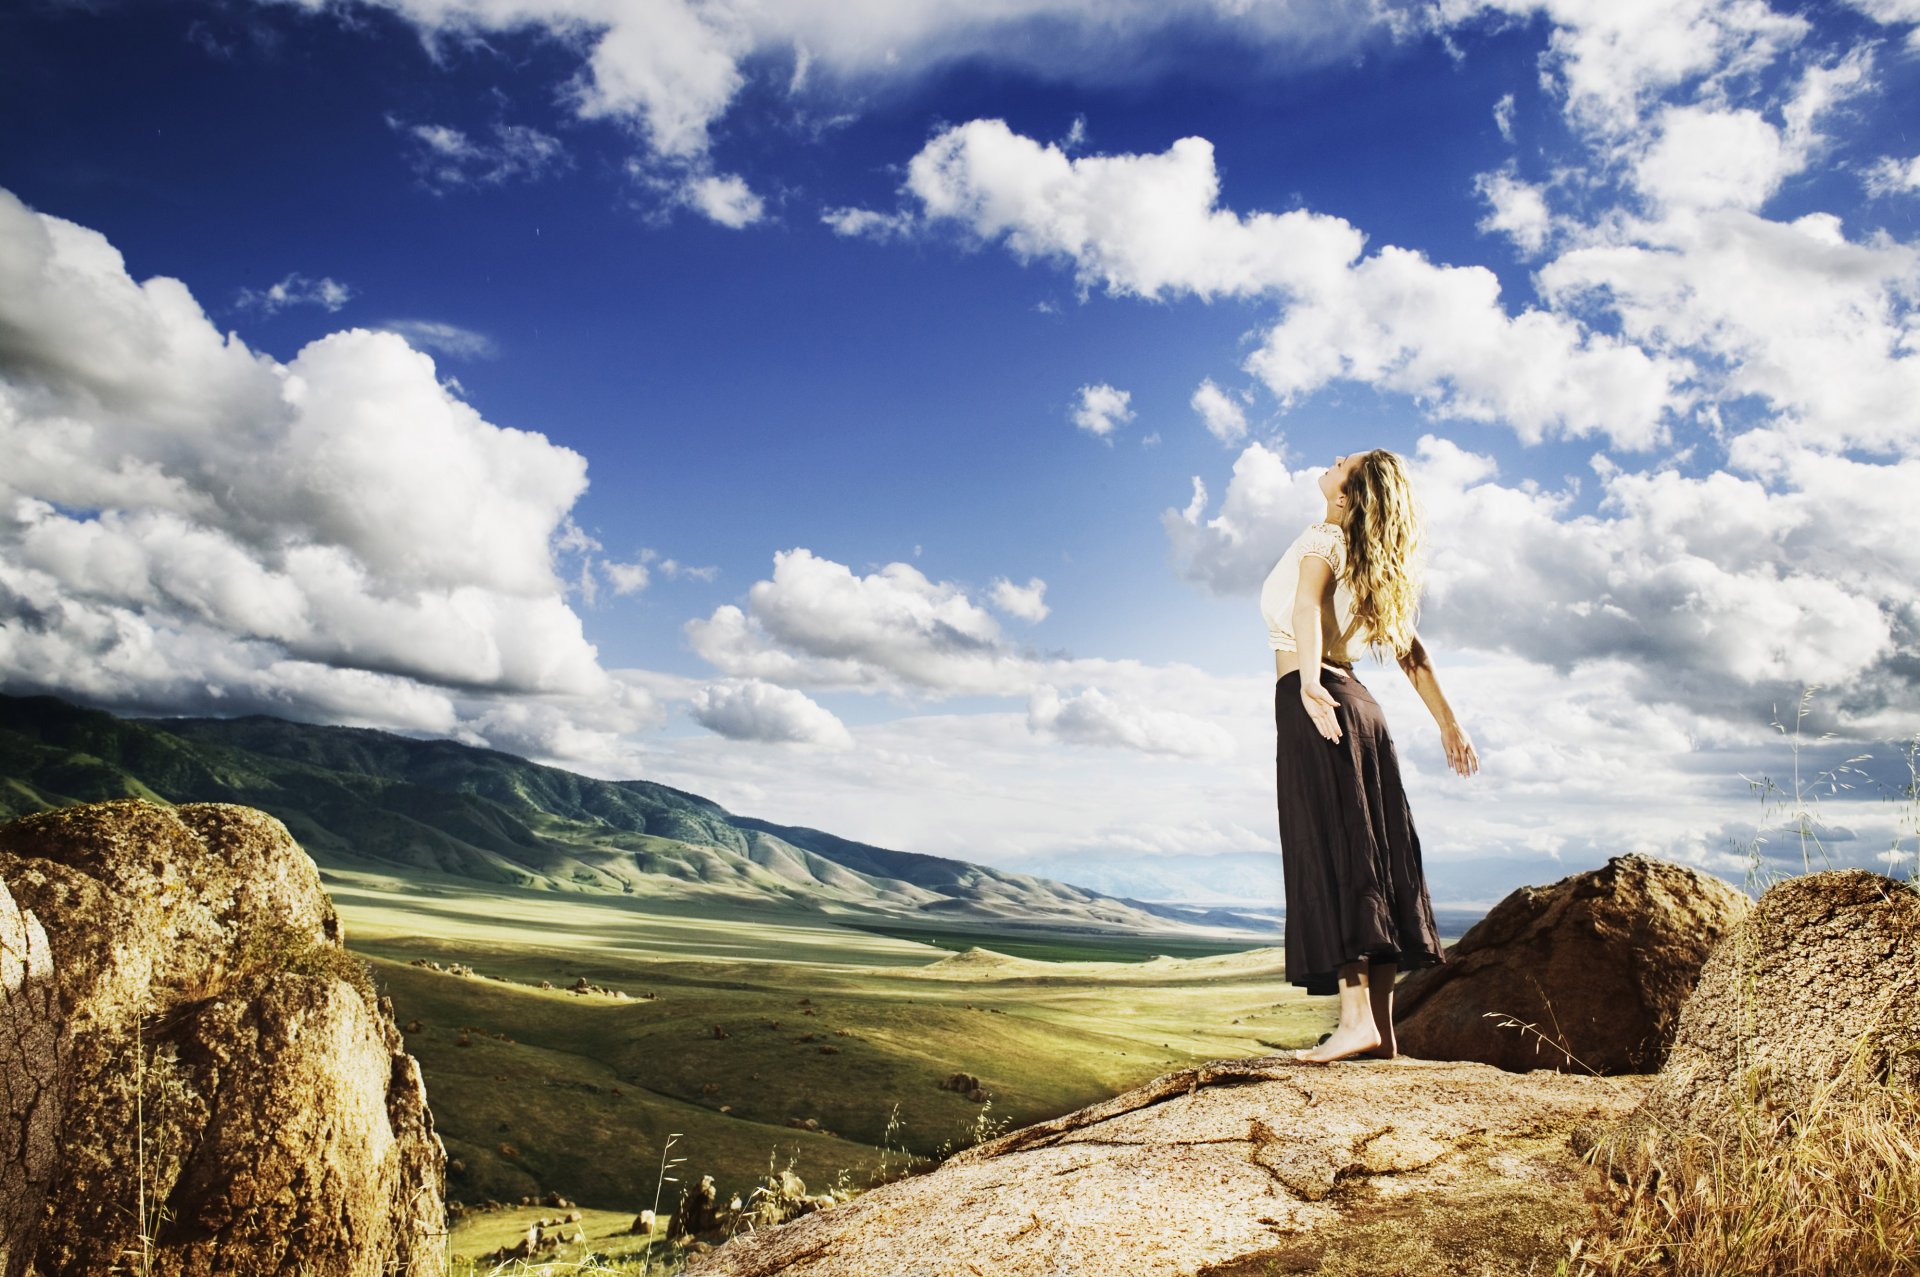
(662, 1178)
(1908, 822)
(140, 1146)
(159, 1074)
(1797, 807)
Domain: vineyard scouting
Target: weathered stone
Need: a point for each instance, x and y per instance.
(1236, 1167)
(35, 1077)
(1815, 993)
(223, 1040)
(1599, 964)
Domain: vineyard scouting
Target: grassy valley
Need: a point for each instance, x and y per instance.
(792, 999)
(756, 1022)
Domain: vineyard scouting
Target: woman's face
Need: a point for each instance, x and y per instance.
(1333, 480)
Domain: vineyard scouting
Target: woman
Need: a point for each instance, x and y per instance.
(1357, 904)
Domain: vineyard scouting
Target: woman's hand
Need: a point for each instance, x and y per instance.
(1320, 707)
(1460, 752)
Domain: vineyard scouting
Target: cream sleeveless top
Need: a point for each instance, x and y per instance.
(1326, 541)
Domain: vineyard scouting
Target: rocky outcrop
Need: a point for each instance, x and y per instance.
(1234, 1169)
(34, 1076)
(1599, 964)
(1814, 995)
(231, 1087)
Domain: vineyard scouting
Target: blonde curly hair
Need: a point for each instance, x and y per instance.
(1382, 526)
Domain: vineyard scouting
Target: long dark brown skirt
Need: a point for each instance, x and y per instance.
(1356, 891)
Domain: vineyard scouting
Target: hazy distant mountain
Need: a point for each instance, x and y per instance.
(357, 798)
(1246, 879)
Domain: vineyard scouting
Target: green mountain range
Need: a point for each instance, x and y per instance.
(362, 799)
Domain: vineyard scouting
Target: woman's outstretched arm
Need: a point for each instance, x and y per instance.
(1419, 670)
(1311, 597)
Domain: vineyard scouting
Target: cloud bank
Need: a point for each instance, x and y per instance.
(818, 625)
(671, 71)
(190, 525)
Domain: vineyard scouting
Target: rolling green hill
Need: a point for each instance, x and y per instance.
(773, 976)
(363, 799)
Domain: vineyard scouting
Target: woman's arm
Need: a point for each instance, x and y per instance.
(1418, 667)
(1311, 596)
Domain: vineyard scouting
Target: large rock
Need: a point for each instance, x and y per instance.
(1815, 994)
(34, 1074)
(226, 1078)
(1599, 964)
(1235, 1169)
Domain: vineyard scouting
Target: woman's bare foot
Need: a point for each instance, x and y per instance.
(1340, 1044)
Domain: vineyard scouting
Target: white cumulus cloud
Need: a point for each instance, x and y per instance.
(1100, 409)
(1609, 61)
(1889, 176)
(725, 199)
(817, 623)
(748, 709)
(1092, 717)
(1027, 602)
(859, 223)
(1150, 226)
(626, 578)
(1714, 159)
(1518, 210)
(1223, 416)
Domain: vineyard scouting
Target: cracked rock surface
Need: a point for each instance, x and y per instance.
(1237, 1168)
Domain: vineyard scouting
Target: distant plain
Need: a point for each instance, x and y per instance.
(823, 1018)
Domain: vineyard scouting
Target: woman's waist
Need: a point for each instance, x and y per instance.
(1341, 672)
(1286, 660)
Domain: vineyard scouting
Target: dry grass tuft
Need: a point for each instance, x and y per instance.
(1833, 1191)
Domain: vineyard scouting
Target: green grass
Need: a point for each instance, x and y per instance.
(609, 1245)
(588, 1087)
(1052, 947)
(463, 915)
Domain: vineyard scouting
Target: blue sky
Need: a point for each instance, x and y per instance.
(879, 416)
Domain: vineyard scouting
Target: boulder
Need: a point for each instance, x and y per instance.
(1235, 1169)
(698, 1211)
(1599, 964)
(35, 1075)
(218, 1034)
(1815, 994)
